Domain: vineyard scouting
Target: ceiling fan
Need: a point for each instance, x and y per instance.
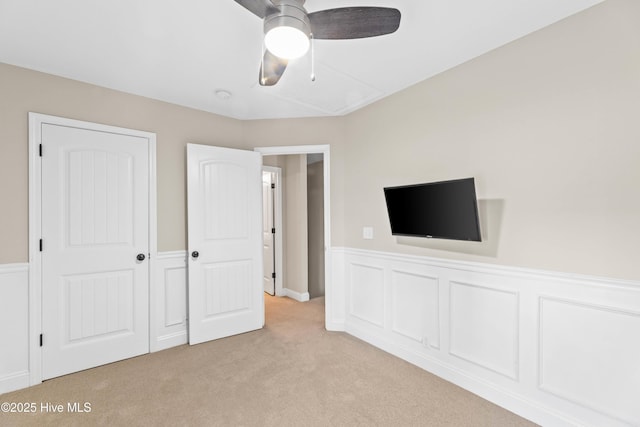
(288, 29)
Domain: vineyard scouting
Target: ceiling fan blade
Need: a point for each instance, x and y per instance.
(354, 22)
(260, 8)
(273, 69)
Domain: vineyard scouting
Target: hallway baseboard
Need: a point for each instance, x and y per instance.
(301, 297)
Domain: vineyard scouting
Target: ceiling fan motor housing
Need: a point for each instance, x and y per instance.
(289, 29)
(289, 15)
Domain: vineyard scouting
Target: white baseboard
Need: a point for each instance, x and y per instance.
(301, 297)
(171, 340)
(501, 397)
(499, 331)
(15, 381)
(334, 326)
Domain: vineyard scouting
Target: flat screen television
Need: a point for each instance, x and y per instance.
(444, 210)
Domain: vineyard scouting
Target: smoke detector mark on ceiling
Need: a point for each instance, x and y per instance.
(223, 94)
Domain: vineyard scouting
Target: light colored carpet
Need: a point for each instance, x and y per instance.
(291, 373)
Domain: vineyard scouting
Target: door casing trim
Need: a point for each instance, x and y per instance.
(36, 120)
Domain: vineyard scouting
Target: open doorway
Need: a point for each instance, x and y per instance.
(305, 270)
(315, 224)
(272, 230)
(293, 191)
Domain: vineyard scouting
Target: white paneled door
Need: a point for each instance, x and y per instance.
(225, 242)
(95, 230)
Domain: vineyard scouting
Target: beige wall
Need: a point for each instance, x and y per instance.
(315, 226)
(549, 127)
(294, 220)
(310, 131)
(23, 90)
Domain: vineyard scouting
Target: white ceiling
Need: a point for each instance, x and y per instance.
(184, 51)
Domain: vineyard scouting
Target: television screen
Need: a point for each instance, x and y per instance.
(446, 210)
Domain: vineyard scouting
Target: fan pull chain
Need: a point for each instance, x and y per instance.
(313, 59)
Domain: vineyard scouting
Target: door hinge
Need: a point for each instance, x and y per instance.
(273, 275)
(40, 245)
(273, 185)
(40, 340)
(40, 150)
(273, 231)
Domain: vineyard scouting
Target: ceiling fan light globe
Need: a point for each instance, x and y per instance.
(287, 42)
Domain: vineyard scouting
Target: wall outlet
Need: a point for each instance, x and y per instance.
(367, 233)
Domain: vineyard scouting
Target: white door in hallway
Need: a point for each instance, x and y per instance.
(95, 231)
(268, 232)
(225, 242)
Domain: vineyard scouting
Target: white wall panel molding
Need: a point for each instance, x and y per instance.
(169, 299)
(17, 268)
(484, 327)
(415, 307)
(495, 269)
(175, 288)
(575, 338)
(172, 255)
(335, 298)
(366, 299)
(14, 311)
(559, 349)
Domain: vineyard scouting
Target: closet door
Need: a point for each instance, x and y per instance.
(95, 231)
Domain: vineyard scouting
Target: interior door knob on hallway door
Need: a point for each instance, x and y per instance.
(140, 257)
(195, 254)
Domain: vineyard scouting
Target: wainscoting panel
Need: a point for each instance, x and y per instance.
(175, 296)
(170, 295)
(335, 296)
(484, 327)
(14, 335)
(558, 349)
(585, 355)
(366, 299)
(415, 311)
